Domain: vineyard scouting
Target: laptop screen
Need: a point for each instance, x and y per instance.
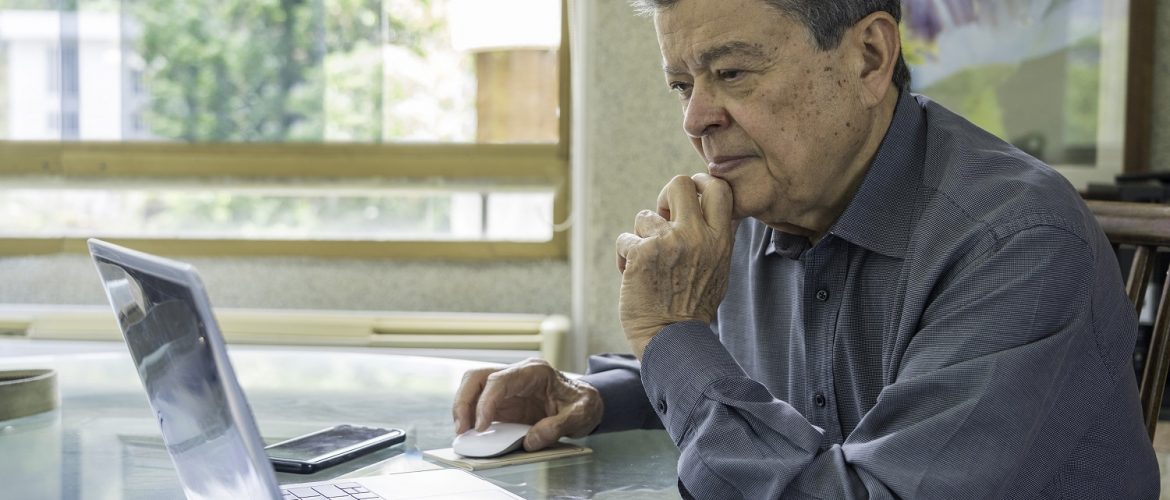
(206, 425)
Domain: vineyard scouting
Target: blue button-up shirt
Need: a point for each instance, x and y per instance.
(961, 331)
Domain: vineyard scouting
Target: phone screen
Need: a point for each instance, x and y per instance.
(342, 441)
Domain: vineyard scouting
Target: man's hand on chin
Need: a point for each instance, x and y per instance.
(674, 265)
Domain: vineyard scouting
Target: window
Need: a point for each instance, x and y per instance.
(70, 124)
(264, 126)
(1049, 76)
(53, 70)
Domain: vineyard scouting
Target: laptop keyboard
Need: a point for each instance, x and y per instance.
(329, 492)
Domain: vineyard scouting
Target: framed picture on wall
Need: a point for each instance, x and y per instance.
(1049, 76)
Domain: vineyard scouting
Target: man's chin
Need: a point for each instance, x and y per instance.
(738, 209)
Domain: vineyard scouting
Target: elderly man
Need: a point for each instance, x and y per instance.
(866, 296)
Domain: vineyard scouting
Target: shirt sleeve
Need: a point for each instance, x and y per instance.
(618, 378)
(1007, 361)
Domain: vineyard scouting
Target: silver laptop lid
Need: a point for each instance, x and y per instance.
(207, 426)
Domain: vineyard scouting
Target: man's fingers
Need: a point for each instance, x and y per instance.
(679, 199)
(717, 199)
(647, 224)
(546, 432)
(494, 389)
(664, 204)
(466, 397)
(625, 244)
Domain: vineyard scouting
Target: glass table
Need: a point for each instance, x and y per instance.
(102, 443)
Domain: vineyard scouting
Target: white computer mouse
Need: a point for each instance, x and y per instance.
(498, 439)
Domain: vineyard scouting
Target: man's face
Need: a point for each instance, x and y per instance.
(770, 113)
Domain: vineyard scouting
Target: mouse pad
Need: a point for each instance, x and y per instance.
(559, 450)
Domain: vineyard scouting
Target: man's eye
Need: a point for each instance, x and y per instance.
(680, 88)
(729, 74)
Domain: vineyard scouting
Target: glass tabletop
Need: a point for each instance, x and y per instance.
(102, 443)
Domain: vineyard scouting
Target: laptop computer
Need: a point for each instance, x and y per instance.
(207, 426)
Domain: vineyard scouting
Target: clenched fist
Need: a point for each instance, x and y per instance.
(675, 264)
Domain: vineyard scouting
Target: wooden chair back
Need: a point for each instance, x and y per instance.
(1146, 227)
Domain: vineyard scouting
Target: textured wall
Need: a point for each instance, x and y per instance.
(1160, 147)
(279, 283)
(630, 145)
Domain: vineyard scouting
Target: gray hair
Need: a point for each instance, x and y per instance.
(826, 20)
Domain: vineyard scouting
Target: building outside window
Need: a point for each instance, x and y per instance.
(174, 119)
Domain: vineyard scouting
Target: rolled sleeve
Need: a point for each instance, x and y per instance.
(705, 399)
(680, 363)
(617, 378)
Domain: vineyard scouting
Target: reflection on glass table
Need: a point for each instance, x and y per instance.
(103, 443)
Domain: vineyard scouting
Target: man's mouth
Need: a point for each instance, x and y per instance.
(720, 166)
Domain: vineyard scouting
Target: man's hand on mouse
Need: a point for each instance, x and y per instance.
(529, 392)
(674, 265)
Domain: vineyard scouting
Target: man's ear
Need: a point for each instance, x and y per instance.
(879, 43)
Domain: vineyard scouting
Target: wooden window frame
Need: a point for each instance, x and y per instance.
(1139, 96)
(502, 164)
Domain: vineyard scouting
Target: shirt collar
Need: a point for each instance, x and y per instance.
(789, 246)
(881, 215)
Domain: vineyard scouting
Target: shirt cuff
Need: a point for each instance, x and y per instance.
(624, 404)
(678, 365)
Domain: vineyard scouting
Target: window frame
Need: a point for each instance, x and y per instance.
(177, 162)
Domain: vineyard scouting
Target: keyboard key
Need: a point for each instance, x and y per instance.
(328, 490)
(347, 485)
(288, 496)
(303, 492)
(365, 496)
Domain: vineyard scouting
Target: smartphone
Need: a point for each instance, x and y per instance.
(330, 446)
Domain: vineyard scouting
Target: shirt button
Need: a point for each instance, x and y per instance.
(822, 295)
(819, 399)
(661, 406)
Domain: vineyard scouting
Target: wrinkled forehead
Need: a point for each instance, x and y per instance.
(691, 27)
(694, 14)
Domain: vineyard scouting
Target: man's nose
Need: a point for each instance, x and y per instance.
(703, 114)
